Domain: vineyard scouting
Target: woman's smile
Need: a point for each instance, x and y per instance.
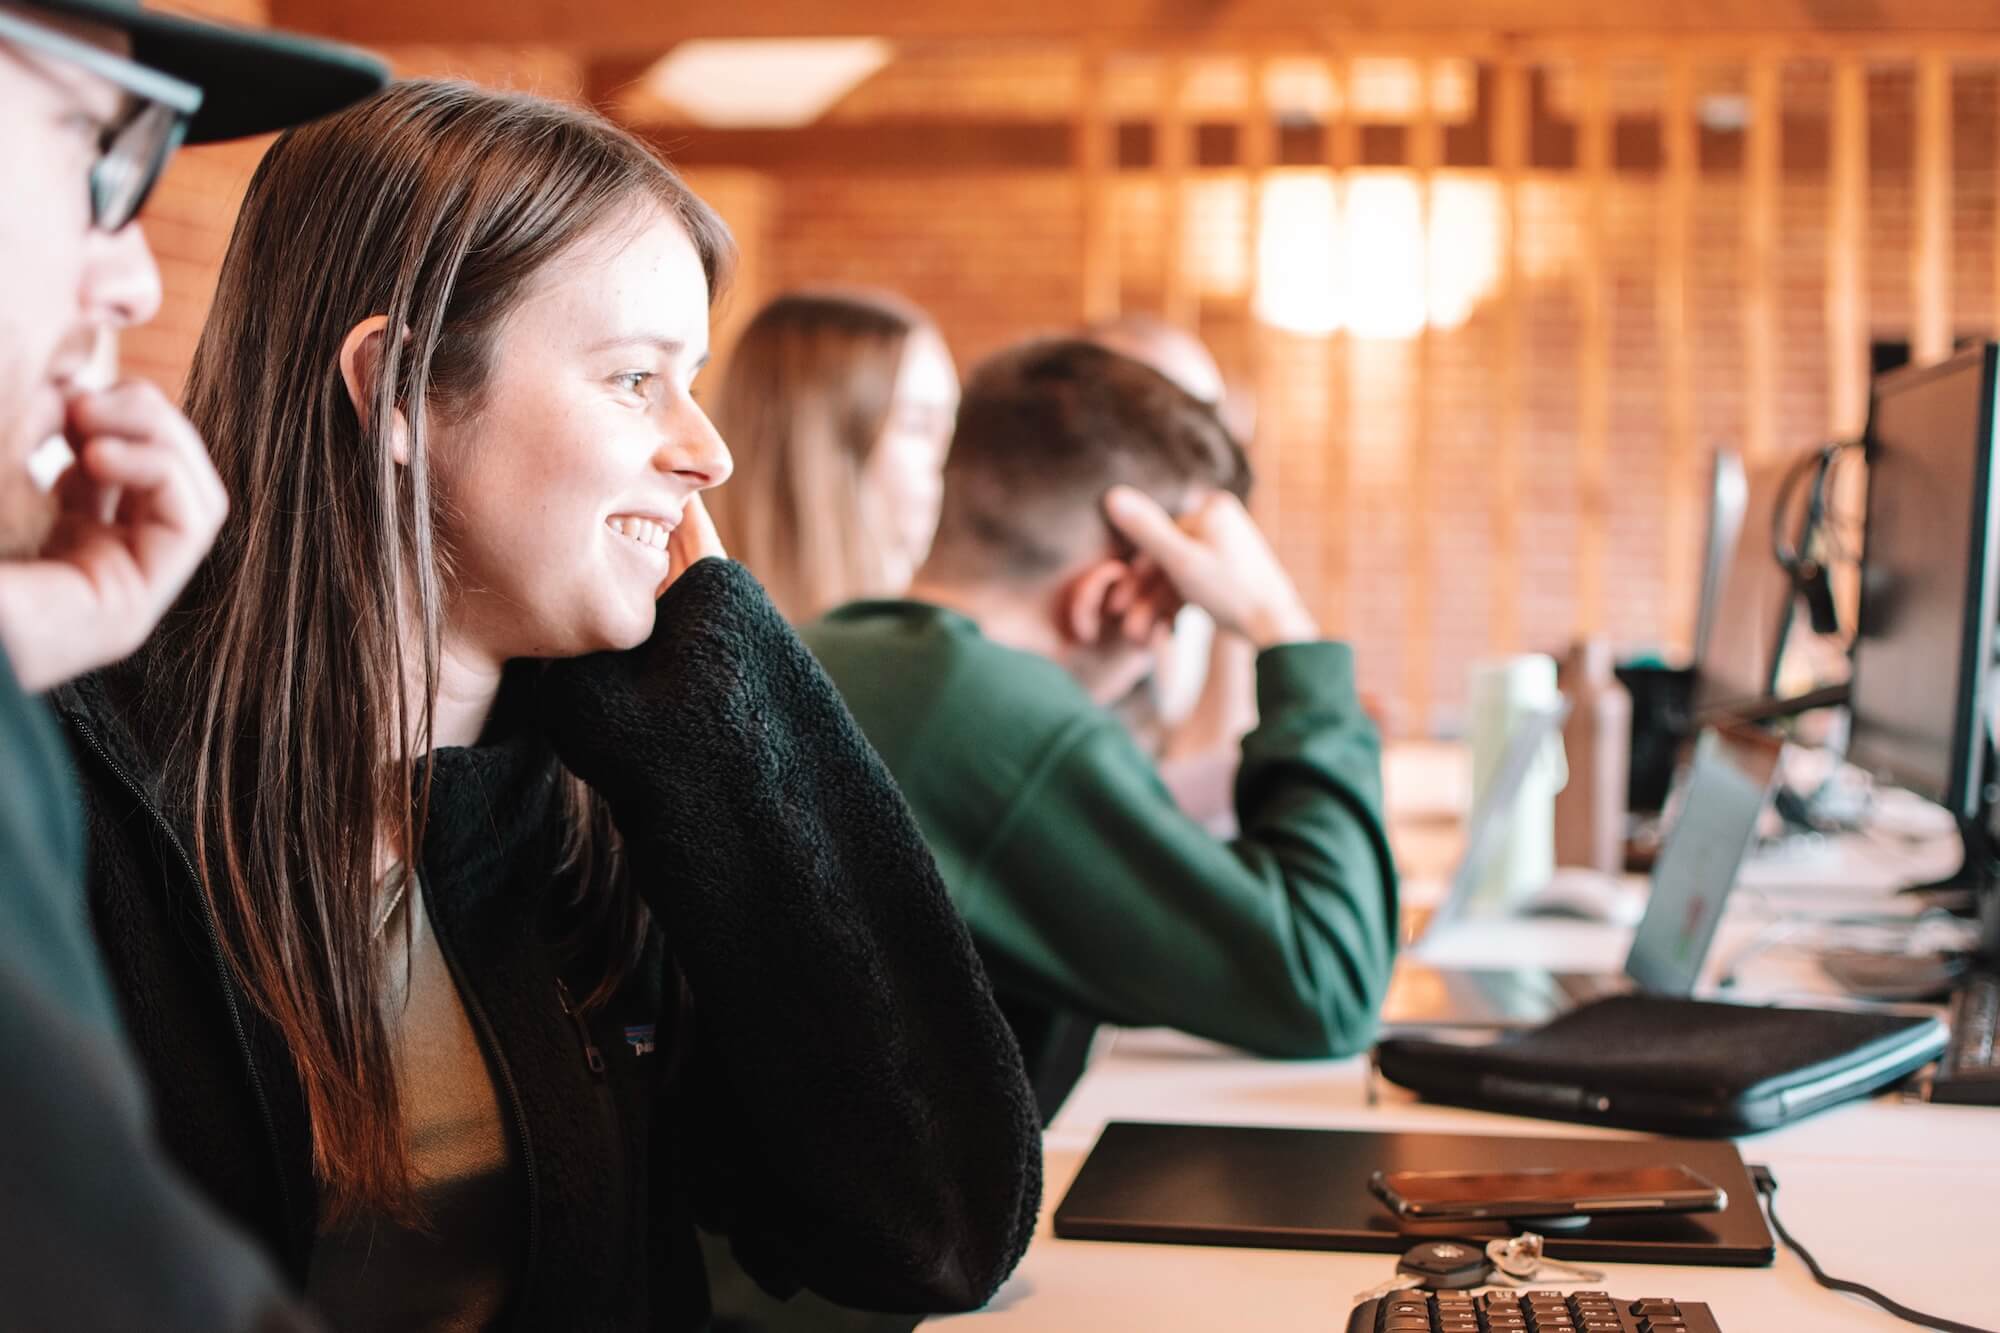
(648, 530)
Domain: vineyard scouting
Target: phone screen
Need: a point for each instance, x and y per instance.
(1524, 1193)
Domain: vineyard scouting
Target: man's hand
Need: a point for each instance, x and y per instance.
(137, 512)
(1217, 560)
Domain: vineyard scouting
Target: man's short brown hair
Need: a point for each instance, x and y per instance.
(1045, 428)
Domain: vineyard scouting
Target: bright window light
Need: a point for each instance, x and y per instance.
(1385, 257)
(760, 84)
(1298, 239)
(1465, 247)
(1352, 256)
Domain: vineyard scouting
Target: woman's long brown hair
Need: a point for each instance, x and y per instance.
(291, 737)
(804, 400)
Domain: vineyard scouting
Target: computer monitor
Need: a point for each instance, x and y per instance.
(1923, 648)
(1752, 613)
(1727, 491)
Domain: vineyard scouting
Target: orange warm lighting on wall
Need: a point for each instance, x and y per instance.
(1354, 256)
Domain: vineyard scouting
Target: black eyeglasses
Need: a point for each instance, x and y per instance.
(134, 151)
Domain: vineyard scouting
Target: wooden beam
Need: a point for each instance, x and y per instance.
(1343, 146)
(1510, 155)
(1760, 257)
(930, 147)
(1099, 266)
(1847, 252)
(1593, 435)
(1205, 23)
(1930, 257)
(1426, 153)
(1259, 152)
(1265, 434)
(1179, 302)
(1676, 334)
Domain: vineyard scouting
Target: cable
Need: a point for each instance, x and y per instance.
(1767, 1186)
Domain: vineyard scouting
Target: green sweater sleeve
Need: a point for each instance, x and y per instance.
(1118, 905)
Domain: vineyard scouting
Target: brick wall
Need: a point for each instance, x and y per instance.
(188, 220)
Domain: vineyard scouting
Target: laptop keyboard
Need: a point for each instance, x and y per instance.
(1528, 1312)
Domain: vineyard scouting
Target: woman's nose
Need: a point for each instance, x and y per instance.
(697, 453)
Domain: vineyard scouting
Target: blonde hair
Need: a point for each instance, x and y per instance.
(804, 401)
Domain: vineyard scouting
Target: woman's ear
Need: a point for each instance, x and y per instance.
(360, 365)
(1086, 611)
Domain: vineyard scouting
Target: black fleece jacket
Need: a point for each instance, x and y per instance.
(851, 1108)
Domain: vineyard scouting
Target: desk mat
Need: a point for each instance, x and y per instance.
(1307, 1189)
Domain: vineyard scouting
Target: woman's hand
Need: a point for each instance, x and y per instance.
(607, 713)
(695, 539)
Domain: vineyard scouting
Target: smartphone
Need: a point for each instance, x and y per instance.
(1438, 1196)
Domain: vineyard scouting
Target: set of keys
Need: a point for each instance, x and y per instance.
(1449, 1265)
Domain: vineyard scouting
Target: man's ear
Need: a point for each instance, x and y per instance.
(1086, 612)
(360, 365)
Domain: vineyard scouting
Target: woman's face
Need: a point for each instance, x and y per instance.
(904, 474)
(561, 489)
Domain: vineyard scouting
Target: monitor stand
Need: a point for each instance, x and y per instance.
(1972, 891)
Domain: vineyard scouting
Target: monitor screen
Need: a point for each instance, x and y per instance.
(1727, 785)
(1927, 585)
(1727, 490)
(1752, 613)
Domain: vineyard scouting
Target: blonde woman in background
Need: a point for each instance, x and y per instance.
(838, 405)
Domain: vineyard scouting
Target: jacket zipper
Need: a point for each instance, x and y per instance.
(592, 1057)
(515, 1106)
(221, 961)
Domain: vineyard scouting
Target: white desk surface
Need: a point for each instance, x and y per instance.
(1896, 1193)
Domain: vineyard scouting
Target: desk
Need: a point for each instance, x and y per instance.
(1898, 1194)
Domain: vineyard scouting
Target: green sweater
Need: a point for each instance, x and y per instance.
(44, 934)
(1085, 887)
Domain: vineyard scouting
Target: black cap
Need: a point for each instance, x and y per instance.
(253, 80)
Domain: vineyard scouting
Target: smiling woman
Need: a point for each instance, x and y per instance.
(466, 760)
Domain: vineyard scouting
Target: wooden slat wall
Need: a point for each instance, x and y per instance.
(1931, 255)
(1094, 130)
(1260, 151)
(1171, 150)
(1846, 252)
(1676, 244)
(1343, 151)
(1760, 269)
(1509, 154)
(1593, 437)
(1758, 295)
(1426, 153)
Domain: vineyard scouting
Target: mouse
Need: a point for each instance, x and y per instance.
(1588, 895)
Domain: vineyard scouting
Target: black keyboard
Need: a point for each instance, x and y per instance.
(1969, 1071)
(1528, 1312)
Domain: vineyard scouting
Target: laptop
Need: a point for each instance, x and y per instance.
(1731, 779)
(1531, 733)
(1307, 1189)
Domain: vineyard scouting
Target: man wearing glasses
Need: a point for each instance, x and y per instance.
(107, 503)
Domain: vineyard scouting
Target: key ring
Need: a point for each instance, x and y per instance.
(1521, 1258)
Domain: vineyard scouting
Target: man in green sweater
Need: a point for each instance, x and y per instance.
(1082, 506)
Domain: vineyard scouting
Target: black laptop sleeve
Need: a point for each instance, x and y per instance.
(1672, 1065)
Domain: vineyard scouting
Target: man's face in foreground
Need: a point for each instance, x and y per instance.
(68, 286)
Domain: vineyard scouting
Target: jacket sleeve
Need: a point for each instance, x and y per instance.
(96, 1230)
(874, 1137)
(1102, 896)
